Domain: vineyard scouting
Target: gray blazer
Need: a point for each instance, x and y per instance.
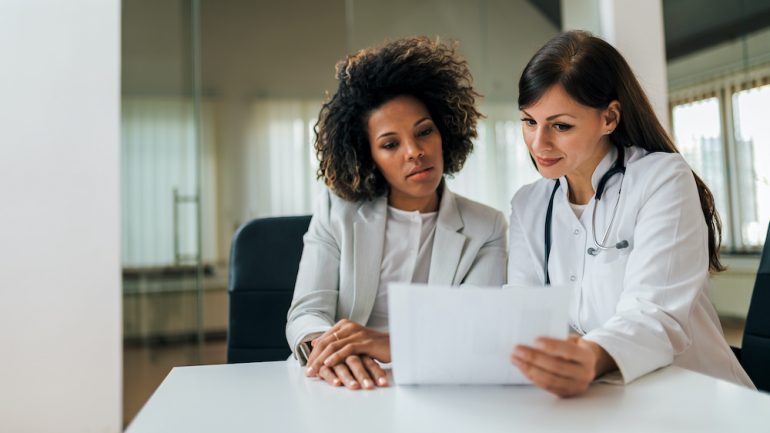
(339, 273)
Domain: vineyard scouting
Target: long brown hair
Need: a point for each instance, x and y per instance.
(594, 73)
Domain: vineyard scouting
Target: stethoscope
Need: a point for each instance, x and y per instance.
(618, 168)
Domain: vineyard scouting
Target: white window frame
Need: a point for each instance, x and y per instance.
(724, 88)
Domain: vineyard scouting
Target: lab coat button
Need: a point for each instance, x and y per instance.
(577, 232)
(572, 278)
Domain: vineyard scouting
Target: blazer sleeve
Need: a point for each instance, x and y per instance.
(313, 308)
(665, 273)
(488, 268)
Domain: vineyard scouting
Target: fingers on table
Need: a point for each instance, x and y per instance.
(329, 376)
(375, 371)
(343, 372)
(359, 371)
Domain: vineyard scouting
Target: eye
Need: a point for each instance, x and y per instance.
(529, 122)
(562, 127)
(389, 145)
(425, 132)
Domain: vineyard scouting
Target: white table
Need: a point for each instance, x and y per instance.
(276, 397)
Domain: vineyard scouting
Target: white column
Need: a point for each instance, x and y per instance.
(636, 29)
(60, 315)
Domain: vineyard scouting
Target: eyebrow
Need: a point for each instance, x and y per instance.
(553, 116)
(385, 134)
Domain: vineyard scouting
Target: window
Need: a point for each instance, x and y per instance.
(698, 135)
(752, 142)
(500, 162)
(160, 184)
(720, 130)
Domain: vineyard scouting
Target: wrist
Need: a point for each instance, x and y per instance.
(603, 361)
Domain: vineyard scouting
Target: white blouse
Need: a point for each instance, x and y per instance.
(578, 209)
(405, 257)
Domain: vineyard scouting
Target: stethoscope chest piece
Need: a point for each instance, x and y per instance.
(620, 245)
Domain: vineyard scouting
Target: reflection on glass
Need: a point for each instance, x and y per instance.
(752, 139)
(698, 135)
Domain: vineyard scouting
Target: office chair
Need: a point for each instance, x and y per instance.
(264, 259)
(754, 353)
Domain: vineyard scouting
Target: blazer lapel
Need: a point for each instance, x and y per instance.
(368, 241)
(448, 243)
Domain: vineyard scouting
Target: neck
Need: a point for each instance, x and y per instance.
(581, 189)
(411, 204)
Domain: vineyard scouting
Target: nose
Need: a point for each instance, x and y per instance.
(414, 149)
(540, 139)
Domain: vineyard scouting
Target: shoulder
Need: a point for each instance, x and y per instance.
(333, 209)
(533, 192)
(660, 171)
(475, 210)
(479, 219)
(658, 162)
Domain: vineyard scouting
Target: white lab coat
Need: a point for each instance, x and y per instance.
(647, 305)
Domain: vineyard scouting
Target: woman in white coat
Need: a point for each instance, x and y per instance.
(403, 116)
(620, 218)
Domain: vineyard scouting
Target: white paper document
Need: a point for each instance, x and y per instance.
(453, 335)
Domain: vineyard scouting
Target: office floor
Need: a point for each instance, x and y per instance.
(145, 367)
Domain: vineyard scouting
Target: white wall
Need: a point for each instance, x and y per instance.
(60, 368)
(635, 29)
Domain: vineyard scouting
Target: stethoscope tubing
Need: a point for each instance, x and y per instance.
(618, 168)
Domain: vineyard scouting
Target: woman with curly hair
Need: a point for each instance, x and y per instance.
(402, 118)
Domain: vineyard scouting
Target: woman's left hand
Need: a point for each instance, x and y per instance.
(563, 367)
(347, 338)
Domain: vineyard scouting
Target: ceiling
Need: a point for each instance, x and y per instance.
(692, 25)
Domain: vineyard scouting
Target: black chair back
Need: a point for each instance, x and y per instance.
(264, 259)
(755, 351)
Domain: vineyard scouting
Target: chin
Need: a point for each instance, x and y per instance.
(550, 172)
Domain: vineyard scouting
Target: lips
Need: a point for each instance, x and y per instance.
(546, 162)
(419, 173)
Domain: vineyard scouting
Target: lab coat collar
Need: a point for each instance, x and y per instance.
(603, 167)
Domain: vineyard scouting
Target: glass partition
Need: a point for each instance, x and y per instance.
(164, 157)
(219, 103)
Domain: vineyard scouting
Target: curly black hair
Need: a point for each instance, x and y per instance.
(425, 69)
